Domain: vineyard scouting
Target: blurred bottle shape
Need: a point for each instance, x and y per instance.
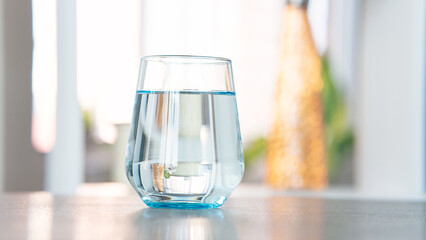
(296, 157)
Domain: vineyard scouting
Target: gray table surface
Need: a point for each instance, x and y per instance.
(263, 216)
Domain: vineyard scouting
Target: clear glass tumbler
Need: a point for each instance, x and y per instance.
(184, 148)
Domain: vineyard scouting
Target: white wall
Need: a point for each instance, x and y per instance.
(390, 98)
(108, 56)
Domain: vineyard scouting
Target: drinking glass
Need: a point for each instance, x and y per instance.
(184, 148)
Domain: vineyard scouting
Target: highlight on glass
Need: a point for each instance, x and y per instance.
(184, 148)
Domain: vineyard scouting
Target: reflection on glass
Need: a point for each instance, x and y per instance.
(185, 224)
(97, 219)
(40, 217)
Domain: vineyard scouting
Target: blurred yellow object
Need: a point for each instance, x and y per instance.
(296, 154)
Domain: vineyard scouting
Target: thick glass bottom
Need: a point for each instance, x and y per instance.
(184, 201)
(180, 205)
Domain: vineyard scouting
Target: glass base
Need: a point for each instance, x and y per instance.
(181, 205)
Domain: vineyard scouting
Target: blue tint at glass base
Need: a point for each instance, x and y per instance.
(183, 205)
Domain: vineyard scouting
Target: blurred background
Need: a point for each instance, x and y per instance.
(68, 72)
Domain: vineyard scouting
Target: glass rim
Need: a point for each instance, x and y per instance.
(185, 59)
